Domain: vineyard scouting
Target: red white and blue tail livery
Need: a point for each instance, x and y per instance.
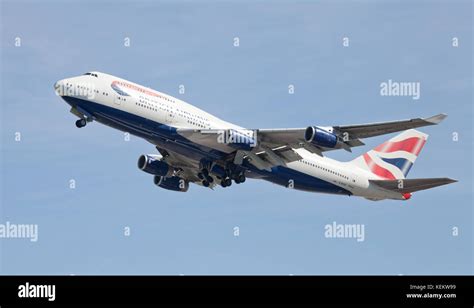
(197, 147)
(394, 158)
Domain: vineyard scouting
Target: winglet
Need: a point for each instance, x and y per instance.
(436, 119)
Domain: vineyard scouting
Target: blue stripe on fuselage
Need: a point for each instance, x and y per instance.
(283, 175)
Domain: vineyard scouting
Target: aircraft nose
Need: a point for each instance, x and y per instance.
(58, 87)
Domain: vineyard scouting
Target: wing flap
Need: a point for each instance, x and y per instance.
(278, 156)
(288, 154)
(259, 162)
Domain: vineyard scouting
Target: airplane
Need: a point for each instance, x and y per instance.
(196, 147)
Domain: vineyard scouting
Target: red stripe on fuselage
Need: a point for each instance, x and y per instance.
(412, 145)
(376, 169)
(138, 89)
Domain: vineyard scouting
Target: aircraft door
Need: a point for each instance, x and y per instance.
(117, 99)
(171, 115)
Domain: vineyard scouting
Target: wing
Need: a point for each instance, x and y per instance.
(348, 135)
(271, 147)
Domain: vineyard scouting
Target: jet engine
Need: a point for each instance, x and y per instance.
(320, 137)
(174, 183)
(151, 163)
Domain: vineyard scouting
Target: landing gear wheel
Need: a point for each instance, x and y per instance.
(227, 182)
(204, 175)
(205, 183)
(223, 183)
(81, 123)
(241, 178)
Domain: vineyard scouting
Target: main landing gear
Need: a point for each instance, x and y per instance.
(239, 178)
(224, 175)
(226, 182)
(205, 177)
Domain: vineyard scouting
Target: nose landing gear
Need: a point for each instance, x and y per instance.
(81, 123)
(83, 116)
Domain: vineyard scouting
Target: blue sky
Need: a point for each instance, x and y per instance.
(81, 230)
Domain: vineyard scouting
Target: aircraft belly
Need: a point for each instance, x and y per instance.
(292, 178)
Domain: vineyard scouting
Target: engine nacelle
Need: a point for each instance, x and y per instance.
(320, 137)
(152, 164)
(174, 183)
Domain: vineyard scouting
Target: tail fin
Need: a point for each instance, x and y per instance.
(394, 158)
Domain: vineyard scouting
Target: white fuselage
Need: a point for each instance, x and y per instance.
(147, 103)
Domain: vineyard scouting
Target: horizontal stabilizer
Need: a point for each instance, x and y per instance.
(411, 185)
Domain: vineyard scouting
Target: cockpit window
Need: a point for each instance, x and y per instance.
(93, 75)
(87, 74)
